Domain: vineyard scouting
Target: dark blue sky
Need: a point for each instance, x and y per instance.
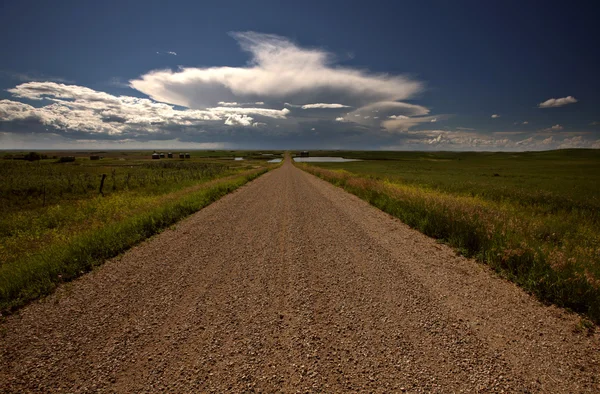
(472, 58)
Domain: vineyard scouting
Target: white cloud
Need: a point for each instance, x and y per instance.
(324, 106)
(238, 120)
(77, 109)
(556, 127)
(573, 142)
(494, 116)
(386, 108)
(270, 113)
(559, 102)
(172, 53)
(226, 104)
(403, 124)
(340, 119)
(526, 141)
(259, 103)
(526, 122)
(279, 69)
(398, 117)
(433, 120)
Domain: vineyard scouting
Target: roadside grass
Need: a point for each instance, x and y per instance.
(42, 246)
(548, 245)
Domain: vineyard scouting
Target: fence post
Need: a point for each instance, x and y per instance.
(102, 184)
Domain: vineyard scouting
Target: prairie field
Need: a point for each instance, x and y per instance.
(534, 217)
(56, 221)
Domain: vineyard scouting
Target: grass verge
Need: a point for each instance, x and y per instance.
(556, 262)
(39, 274)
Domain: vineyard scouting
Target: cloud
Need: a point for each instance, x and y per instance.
(238, 120)
(84, 113)
(433, 120)
(391, 108)
(559, 102)
(556, 127)
(167, 53)
(33, 77)
(324, 106)
(278, 70)
(172, 53)
(494, 116)
(403, 124)
(573, 142)
(226, 104)
(595, 123)
(526, 122)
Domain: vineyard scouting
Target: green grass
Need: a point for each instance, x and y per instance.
(534, 217)
(44, 242)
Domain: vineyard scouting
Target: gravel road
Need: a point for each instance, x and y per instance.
(290, 284)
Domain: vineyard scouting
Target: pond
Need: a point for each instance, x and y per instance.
(274, 161)
(323, 159)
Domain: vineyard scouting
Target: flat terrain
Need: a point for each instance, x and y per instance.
(290, 284)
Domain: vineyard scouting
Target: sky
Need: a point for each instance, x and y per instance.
(378, 75)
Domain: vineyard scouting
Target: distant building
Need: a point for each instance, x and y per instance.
(162, 155)
(170, 155)
(304, 153)
(94, 157)
(155, 156)
(182, 155)
(187, 155)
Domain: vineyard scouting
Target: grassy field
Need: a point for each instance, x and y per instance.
(534, 217)
(55, 224)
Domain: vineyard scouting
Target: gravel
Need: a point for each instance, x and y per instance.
(290, 284)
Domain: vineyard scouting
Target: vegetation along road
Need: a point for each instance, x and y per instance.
(291, 284)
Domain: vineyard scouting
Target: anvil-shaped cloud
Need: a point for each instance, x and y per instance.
(278, 71)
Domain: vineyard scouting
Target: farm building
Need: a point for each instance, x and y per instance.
(304, 153)
(162, 155)
(155, 156)
(182, 155)
(170, 155)
(187, 155)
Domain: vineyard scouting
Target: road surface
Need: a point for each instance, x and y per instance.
(292, 285)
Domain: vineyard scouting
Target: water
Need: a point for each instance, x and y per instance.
(323, 159)
(274, 161)
(238, 158)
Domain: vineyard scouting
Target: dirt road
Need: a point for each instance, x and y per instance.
(292, 285)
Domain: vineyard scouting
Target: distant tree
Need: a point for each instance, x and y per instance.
(32, 156)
